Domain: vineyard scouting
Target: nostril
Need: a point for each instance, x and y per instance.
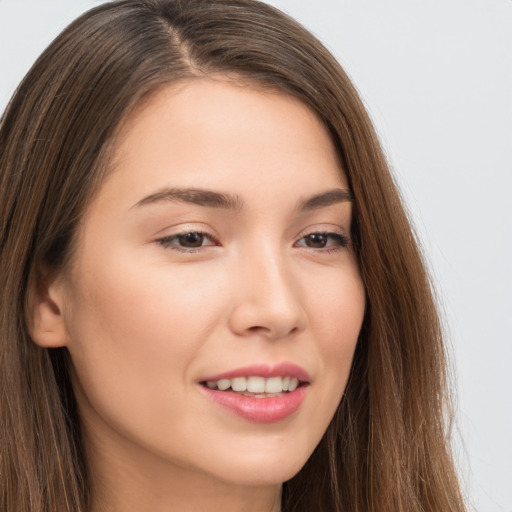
(257, 328)
(267, 317)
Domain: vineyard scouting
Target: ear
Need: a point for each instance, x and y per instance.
(45, 300)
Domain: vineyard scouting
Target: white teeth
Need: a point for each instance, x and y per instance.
(255, 386)
(239, 384)
(223, 384)
(293, 384)
(274, 385)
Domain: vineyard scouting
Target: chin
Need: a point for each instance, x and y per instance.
(261, 477)
(256, 469)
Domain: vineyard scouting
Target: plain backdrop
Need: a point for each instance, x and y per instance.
(436, 77)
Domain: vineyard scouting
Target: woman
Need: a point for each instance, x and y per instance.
(212, 297)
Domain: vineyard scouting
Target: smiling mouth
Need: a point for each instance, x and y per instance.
(256, 386)
(259, 399)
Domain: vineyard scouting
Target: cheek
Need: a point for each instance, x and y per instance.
(132, 300)
(337, 310)
(336, 317)
(134, 330)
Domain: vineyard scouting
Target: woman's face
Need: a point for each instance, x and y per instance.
(217, 253)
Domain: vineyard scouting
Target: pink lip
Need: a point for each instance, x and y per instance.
(260, 410)
(263, 370)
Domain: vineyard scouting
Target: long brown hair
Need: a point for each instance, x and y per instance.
(387, 448)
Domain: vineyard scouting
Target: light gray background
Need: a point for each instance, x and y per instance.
(436, 77)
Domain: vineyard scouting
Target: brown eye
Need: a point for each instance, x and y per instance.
(328, 241)
(191, 240)
(316, 240)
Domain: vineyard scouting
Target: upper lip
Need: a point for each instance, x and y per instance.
(262, 370)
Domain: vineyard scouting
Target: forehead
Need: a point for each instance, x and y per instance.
(215, 133)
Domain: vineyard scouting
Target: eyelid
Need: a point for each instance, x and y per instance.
(165, 241)
(325, 228)
(331, 232)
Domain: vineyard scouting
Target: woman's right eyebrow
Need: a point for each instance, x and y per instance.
(197, 196)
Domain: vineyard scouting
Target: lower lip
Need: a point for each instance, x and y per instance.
(259, 410)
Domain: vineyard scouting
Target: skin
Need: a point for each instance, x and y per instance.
(145, 320)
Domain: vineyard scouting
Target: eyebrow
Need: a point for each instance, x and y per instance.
(197, 196)
(211, 199)
(324, 199)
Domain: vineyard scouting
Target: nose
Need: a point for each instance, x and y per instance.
(267, 300)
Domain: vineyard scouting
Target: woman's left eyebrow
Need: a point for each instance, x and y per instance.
(324, 199)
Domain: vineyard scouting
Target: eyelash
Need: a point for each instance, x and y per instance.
(340, 240)
(169, 242)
